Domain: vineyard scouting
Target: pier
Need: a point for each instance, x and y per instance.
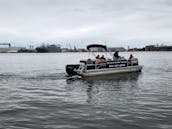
(9, 48)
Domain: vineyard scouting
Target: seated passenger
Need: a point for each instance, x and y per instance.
(102, 57)
(131, 57)
(116, 56)
(98, 57)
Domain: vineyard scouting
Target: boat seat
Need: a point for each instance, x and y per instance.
(83, 61)
(89, 61)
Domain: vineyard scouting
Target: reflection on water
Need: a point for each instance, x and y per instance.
(104, 89)
(113, 78)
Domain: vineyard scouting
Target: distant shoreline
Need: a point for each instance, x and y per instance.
(77, 52)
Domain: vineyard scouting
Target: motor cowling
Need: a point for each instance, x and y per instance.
(71, 69)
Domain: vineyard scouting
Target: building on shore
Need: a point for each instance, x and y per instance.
(82, 50)
(7, 48)
(49, 48)
(11, 49)
(54, 48)
(136, 49)
(113, 49)
(158, 48)
(150, 48)
(64, 50)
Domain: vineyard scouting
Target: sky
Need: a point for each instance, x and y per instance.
(134, 23)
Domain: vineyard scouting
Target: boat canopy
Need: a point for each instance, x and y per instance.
(96, 46)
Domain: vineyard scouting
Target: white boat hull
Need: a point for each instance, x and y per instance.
(97, 72)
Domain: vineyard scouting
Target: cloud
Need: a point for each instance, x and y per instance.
(116, 22)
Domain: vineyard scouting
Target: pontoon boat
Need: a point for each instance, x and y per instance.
(94, 67)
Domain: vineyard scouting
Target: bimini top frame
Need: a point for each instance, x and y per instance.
(96, 45)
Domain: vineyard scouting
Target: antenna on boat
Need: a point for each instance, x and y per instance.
(106, 50)
(88, 53)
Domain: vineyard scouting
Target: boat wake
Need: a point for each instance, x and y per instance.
(73, 78)
(51, 76)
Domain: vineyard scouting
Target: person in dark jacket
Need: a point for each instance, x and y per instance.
(131, 57)
(115, 55)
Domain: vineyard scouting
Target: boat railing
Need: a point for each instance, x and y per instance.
(106, 64)
(93, 64)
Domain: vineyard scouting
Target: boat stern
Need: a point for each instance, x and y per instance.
(72, 69)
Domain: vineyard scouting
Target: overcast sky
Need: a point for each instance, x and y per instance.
(81, 22)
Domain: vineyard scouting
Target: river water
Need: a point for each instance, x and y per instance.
(35, 93)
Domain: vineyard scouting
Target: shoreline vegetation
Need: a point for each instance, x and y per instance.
(57, 49)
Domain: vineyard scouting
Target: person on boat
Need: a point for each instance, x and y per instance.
(116, 56)
(102, 57)
(102, 60)
(97, 57)
(131, 57)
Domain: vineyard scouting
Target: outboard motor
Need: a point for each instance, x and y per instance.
(71, 69)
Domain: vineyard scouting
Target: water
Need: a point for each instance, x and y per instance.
(36, 94)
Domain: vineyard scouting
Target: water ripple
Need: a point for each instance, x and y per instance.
(40, 95)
